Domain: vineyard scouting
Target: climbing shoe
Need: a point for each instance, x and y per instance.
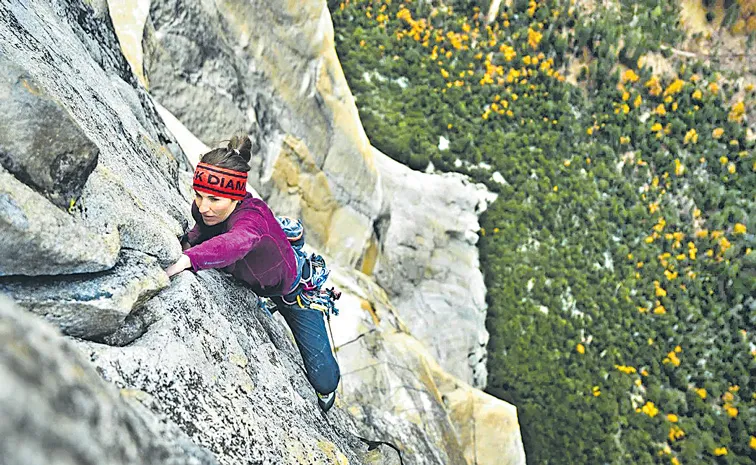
(325, 401)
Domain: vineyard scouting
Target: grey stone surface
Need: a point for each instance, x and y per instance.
(69, 51)
(429, 265)
(37, 238)
(229, 375)
(396, 389)
(55, 409)
(91, 305)
(39, 142)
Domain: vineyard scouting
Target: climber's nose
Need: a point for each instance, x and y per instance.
(202, 206)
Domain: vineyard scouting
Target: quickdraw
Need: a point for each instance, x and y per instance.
(323, 300)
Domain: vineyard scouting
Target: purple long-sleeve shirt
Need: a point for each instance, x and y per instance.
(249, 244)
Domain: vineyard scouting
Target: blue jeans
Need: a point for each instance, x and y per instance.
(311, 337)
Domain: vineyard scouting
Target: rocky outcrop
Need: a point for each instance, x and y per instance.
(32, 228)
(229, 375)
(68, 54)
(39, 142)
(393, 384)
(427, 260)
(92, 305)
(487, 427)
(56, 409)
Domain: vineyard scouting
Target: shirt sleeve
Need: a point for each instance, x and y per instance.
(227, 248)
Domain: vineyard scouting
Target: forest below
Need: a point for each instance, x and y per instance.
(618, 256)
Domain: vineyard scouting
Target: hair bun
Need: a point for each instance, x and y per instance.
(242, 146)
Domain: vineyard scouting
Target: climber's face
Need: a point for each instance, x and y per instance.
(214, 209)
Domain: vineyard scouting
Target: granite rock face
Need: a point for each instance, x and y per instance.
(228, 373)
(66, 57)
(427, 260)
(37, 238)
(91, 305)
(39, 142)
(394, 386)
(56, 409)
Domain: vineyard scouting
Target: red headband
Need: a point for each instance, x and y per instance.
(220, 182)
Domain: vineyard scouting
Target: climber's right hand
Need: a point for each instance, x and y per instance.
(180, 265)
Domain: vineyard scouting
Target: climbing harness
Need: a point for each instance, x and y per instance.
(312, 273)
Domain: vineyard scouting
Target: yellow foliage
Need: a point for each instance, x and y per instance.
(672, 358)
(674, 87)
(659, 291)
(737, 112)
(628, 370)
(650, 409)
(629, 76)
(679, 167)
(654, 88)
(509, 52)
(675, 433)
(534, 38)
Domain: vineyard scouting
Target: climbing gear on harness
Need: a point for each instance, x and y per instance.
(306, 294)
(312, 273)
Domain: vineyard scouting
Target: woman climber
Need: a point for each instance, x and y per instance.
(239, 234)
